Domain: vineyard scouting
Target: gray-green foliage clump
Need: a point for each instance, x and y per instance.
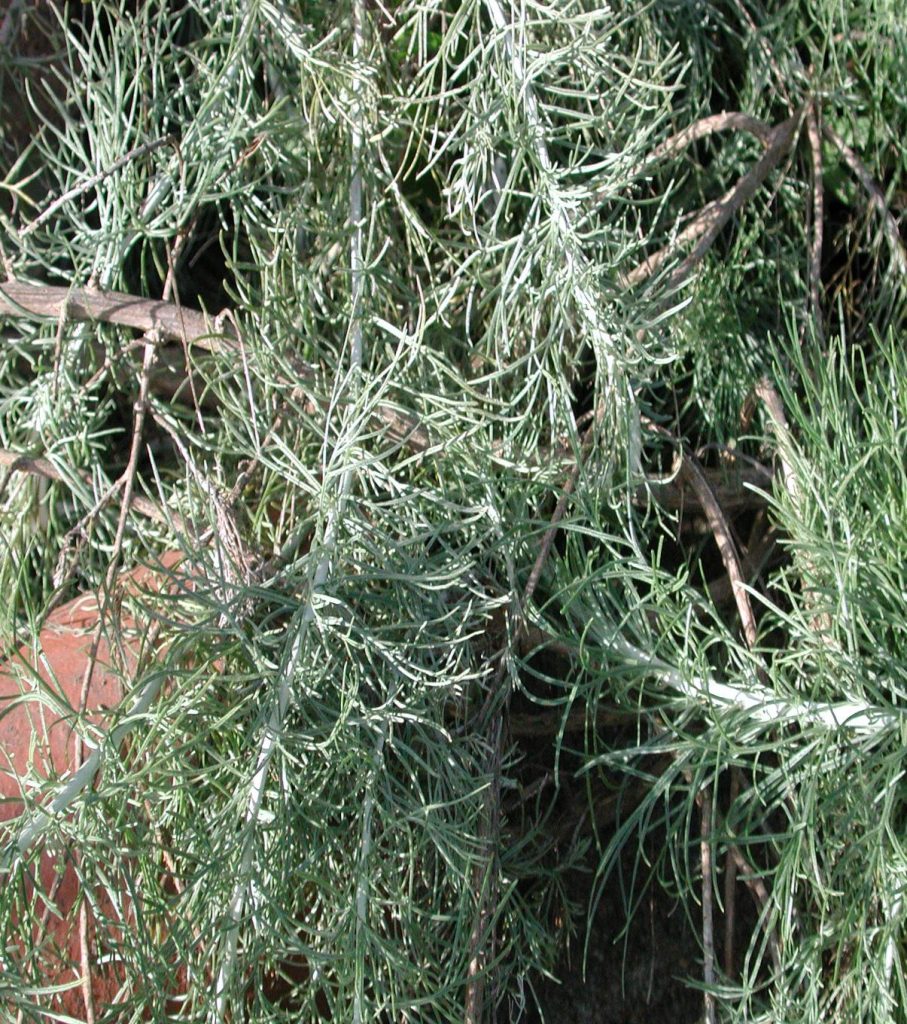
(499, 280)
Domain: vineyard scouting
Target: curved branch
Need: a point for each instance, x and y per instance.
(728, 120)
(706, 224)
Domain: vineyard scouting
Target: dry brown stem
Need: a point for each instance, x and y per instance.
(731, 561)
(728, 120)
(876, 196)
(85, 962)
(707, 223)
(813, 134)
(689, 468)
(760, 896)
(758, 552)
(14, 462)
(169, 321)
(692, 472)
(735, 489)
(726, 547)
(766, 391)
(558, 514)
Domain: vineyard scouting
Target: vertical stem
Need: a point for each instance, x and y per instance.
(577, 265)
(730, 887)
(708, 939)
(817, 203)
(357, 266)
(298, 629)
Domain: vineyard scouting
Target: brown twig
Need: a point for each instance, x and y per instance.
(728, 120)
(735, 489)
(782, 139)
(709, 221)
(876, 196)
(758, 552)
(721, 531)
(689, 467)
(726, 547)
(15, 462)
(813, 134)
(558, 514)
(753, 883)
(761, 897)
(85, 960)
(170, 322)
(729, 557)
(765, 390)
(129, 473)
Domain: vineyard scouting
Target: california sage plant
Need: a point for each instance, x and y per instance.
(486, 363)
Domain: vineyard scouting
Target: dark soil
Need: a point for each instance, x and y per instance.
(636, 973)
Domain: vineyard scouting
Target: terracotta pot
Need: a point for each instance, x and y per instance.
(38, 739)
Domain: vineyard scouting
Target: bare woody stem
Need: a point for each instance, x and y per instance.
(813, 134)
(14, 462)
(876, 196)
(728, 120)
(692, 473)
(170, 321)
(709, 221)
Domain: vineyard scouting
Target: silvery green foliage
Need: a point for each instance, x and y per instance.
(430, 208)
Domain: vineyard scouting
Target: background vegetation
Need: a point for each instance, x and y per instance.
(539, 469)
